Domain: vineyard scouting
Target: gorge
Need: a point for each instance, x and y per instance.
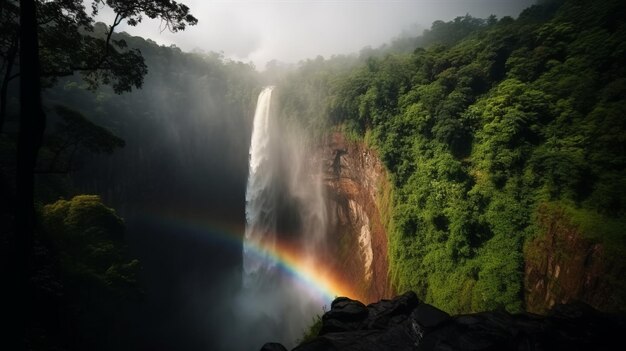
(462, 187)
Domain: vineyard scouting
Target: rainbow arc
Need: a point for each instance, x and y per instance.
(318, 278)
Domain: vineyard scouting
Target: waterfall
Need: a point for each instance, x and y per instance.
(285, 213)
(260, 199)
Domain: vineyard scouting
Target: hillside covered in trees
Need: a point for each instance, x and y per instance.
(487, 128)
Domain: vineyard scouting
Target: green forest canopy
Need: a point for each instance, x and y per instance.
(485, 121)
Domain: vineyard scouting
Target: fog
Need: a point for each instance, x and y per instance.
(292, 30)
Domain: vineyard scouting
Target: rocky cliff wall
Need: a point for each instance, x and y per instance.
(563, 265)
(356, 184)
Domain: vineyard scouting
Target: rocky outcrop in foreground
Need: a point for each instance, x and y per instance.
(405, 323)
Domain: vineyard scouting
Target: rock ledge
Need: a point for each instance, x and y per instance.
(405, 323)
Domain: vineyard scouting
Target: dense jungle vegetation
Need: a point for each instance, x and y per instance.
(484, 124)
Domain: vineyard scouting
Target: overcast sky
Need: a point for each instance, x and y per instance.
(292, 30)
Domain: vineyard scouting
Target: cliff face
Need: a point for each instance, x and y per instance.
(356, 184)
(562, 266)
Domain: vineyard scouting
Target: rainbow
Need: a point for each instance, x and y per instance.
(315, 277)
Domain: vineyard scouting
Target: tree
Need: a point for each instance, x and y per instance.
(9, 13)
(58, 24)
(97, 276)
(73, 136)
(101, 60)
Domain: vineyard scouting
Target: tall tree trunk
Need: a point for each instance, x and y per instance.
(32, 123)
(4, 90)
(31, 127)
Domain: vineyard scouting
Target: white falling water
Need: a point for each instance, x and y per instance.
(284, 203)
(260, 199)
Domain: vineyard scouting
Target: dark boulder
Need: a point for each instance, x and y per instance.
(344, 315)
(429, 316)
(391, 311)
(273, 346)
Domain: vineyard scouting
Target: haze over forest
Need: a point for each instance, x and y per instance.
(292, 30)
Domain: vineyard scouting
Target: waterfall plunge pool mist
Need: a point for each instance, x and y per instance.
(192, 204)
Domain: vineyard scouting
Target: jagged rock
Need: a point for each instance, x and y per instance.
(429, 316)
(346, 310)
(344, 315)
(405, 323)
(386, 311)
(273, 346)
